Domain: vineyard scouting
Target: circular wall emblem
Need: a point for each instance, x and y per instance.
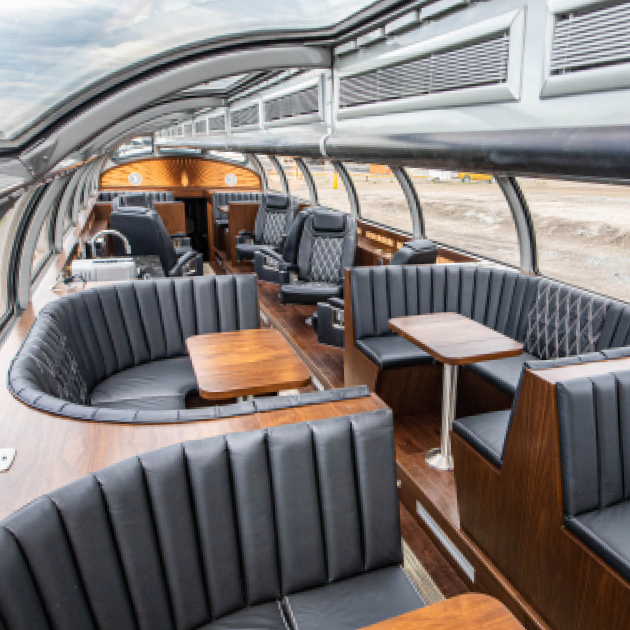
(230, 179)
(135, 179)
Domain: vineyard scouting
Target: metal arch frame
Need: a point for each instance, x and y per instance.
(260, 170)
(6, 262)
(308, 178)
(36, 222)
(97, 119)
(525, 232)
(283, 176)
(59, 212)
(76, 203)
(62, 212)
(342, 171)
(413, 201)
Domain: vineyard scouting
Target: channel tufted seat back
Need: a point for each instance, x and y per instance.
(180, 537)
(220, 198)
(82, 339)
(497, 298)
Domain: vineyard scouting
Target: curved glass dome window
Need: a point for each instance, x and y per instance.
(50, 49)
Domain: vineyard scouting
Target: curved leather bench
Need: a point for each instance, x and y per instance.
(520, 306)
(118, 353)
(293, 527)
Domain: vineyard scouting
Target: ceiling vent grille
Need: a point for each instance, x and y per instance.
(591, 39)
(483, 63)
(245, 117)
(188, 129)
(200, 126)
(216, 123)
(295, 104)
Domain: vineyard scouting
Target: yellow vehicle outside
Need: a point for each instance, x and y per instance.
(477, 177)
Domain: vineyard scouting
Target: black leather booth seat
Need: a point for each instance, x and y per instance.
(520, 306)
(594, 416)
(118, 353)
(293, 527)
(157, 196)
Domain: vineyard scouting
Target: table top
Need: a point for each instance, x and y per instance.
(454, 339)
(244, 363)
(466, 612)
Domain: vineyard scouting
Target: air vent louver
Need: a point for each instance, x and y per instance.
(296, 104)
(200, 126)
(484, 63)
(188, 129)
(216, 123)
(591, 39)
(246, 116)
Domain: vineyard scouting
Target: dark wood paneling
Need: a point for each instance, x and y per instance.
(173, 214)
(515, 516)
(178, 172)
(241, 216)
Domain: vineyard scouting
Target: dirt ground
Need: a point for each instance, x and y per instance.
(582, 230)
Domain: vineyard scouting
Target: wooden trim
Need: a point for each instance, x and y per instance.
(173, 214)
(515, 516)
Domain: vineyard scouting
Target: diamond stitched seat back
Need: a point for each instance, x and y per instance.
(564, 321)
(326, 260)
(273, 228)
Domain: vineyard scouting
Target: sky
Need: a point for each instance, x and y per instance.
(52, 48)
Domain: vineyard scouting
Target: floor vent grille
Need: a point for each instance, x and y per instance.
(246, 116)
(483, 63)
(296, 104)
(591, 39)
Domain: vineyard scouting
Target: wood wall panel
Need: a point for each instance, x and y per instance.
(178, 172)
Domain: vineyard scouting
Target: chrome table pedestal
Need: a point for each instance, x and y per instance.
(442, 458)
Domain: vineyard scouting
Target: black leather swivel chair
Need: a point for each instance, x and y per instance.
(274, 218)
(269, 264)
(145, 231)
(327, 247)
(328, 322)
(419, 252)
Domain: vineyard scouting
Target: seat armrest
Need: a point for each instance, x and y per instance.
(190, 264)
(336, 302)
(245, 237)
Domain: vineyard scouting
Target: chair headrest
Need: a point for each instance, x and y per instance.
(133, 210)
(325, 220)
(422, 245)
(277, 200)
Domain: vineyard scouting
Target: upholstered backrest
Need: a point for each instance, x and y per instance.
(157, 196)
(294, 234)
(222, 198)
(176, 538)
(498, 298)
(564, 321)
(327, 246)
(275, 216)
(146, 233)
(419, 252)
(594, 416)
(79, 340)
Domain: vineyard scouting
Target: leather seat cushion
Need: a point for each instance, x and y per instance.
(156, 385)
(502, 373)
(391, 351)
(486, 433)
(246, 251)
(354, 603)
(606, 532)
(302, 292)
(262, 617)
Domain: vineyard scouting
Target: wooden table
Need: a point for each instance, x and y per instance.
(466, 612)
(454, 340)
(245, 363)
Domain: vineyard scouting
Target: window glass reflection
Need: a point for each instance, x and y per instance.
(330, 189)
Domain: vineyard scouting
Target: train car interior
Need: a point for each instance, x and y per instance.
(315, 315)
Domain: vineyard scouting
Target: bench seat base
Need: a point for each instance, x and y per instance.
(354, 603)
(262, 617)
(159, 385)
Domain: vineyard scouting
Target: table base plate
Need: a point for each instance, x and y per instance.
(435, 459)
